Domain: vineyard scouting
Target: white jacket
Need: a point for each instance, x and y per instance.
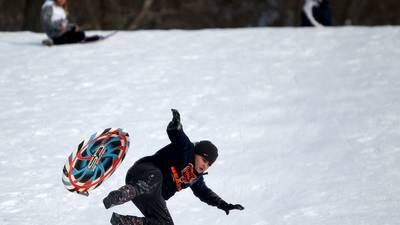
(54, 19)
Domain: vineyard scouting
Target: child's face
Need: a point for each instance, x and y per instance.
(201, 164)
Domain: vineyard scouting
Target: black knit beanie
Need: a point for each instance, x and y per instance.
(207, 150)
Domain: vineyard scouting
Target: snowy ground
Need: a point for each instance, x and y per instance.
(306, 120)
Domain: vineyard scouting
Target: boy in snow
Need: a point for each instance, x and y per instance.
(154, 179)
(58, 28)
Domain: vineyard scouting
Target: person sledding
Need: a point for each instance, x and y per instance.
(57, 26)
(154, 179)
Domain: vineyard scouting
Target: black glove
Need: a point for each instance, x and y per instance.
(176, 120)
(227, 207)
(176, 117)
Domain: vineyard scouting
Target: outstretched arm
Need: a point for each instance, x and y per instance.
(206, 195)
(175, 130)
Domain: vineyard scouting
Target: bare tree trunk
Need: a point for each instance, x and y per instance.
(102, 13)
(136, 21)
(26, 8)
(93, 20)
(31, 15)
(352, 12)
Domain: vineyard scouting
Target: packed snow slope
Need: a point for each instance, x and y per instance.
(306, 121)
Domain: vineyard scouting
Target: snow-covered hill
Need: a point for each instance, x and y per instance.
(306, 120)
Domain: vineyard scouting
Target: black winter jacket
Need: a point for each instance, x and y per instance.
(176, 161)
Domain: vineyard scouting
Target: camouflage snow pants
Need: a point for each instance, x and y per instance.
(143, 188)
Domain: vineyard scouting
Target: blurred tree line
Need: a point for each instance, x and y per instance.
(194, 14)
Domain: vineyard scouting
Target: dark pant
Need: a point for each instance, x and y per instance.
(147, 180)
(74, 36)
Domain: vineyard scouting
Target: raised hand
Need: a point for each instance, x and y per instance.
(176, 120)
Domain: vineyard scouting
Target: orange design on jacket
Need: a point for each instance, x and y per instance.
(187, 176)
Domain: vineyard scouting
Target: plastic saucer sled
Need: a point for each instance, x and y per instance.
(95, 160)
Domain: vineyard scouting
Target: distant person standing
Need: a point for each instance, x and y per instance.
(316, 13)
(58, 28)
